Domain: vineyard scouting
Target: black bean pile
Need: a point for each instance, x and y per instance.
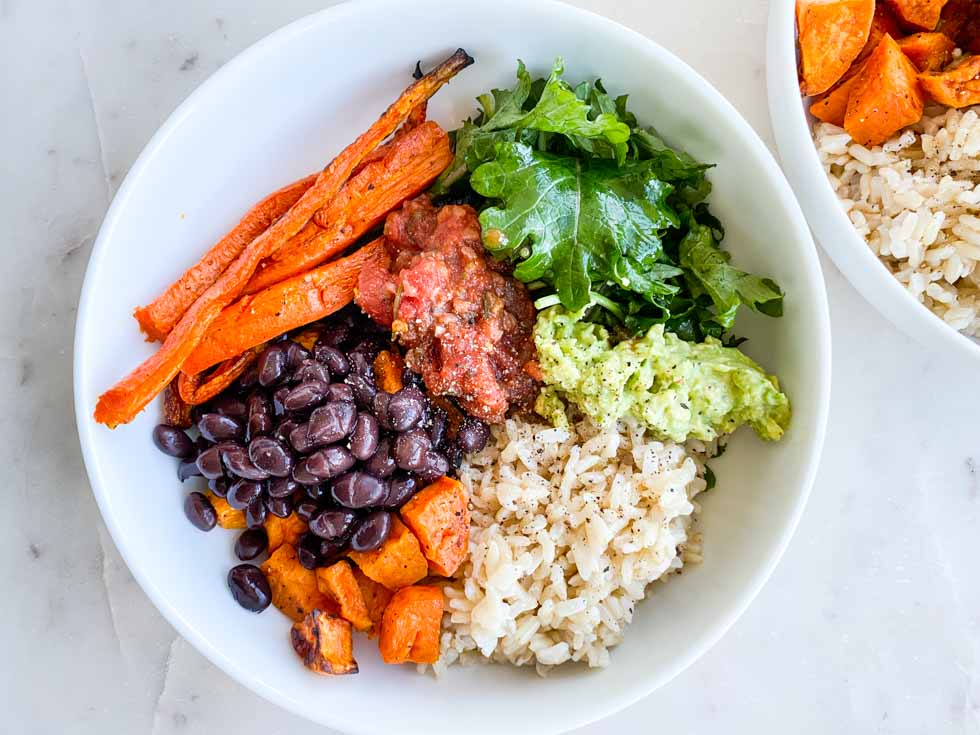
(311, 433)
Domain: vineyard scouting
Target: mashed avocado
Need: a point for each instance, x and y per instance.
(678, 389)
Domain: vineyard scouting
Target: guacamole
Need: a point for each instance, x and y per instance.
(678, 389)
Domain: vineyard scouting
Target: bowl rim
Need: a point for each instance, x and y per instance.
(810, 269)
(833, 230)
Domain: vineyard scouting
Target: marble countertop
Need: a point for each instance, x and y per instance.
(871, 623)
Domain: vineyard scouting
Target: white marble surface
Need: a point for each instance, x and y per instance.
(871, 624)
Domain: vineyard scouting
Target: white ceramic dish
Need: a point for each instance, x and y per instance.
(791, 127)
(281, 109)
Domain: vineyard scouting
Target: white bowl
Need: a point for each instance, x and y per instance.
(281, 109)
(791, 125)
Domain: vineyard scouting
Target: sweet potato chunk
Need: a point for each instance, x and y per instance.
(284, 530)
(960, 20)
(325, 643)
(376, 598)
(388, 367)
(885, 98)
(922, 14)
(228, 517)
(832, 106)
(294, 587)
(397, 563)
(831, 35)
(410, 626)
(884, 21)
(928, 51)
(439, 518)
(956, 87)
(339, 584)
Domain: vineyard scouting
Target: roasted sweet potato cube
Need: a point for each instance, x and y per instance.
(324, 642)
(885, 97)
(960, 21)
(884, 21)
(956, 87)
(922, 14)
(228, 517)
(339, 584)
(411, 625)
(294, 587)
(284, 530)
(439, 517)
(376, 598)
(832, 106)
(831, 35)
(928, 51)
(397, 563)
(388, 367)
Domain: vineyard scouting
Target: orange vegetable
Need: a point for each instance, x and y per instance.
(439, 518)
(388, 367)
(128, 397)
(884, 21)
(928, 51)
(228, 517)
(831, 35)
(281, 531)
(960, 20)
(885, 98)
(294, 587)
(176, 412)
(956, 87)
(832, 106)
(922, 14)
(157, 319)
(376, 597)
(256, 318)
(339, 584)
(411, 163)
(307, 338)
(324, 642)
(397, 563)
(196, 389)
(411, 625)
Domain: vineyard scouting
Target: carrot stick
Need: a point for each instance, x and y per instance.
(196, 389)
(412, 163)
(257, 318)
(159, 317)
(127, 398)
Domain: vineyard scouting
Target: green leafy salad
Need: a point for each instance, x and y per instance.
(610, 229)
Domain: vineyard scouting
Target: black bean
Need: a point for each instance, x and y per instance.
(472, 435)
(405, 409)
(315, 492)
(311, 370)
(331, 423)
(303, 476)
(379, 407)
(186, 469)
(308, 551)
(372, 531)
(295, 355)
(358, 490)
(280, 507)
(259, 424)
(329, 462)
(173, 441)
(331, 551)
(219, 486)
(200, 512)
(278, 396)
(401, 488)
(305, 396)
(299, 438)
(237, 461)
(335, 360)
(332, 524)
(282, 487)
(434, 466)
(256, 513)
(382, 462)
(217, 428)
(438, 426)
(412, 378)
(364, 438)
(454, 455)
(340, 392)
(257, 402)
(282, 431)
(364, 389)
(242, 493)
(334, 335)
(306, 510)
(410, 449)
(251, 543)
(229, 405)
(362, 360)
(250, 377)
(271, 365)
(209, 463)
(249, 587)
(271, 456)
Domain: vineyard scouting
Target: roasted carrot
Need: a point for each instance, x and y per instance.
(956, 87)
(831, 35)
(128, 397)
(928, 51)
(885, 96)
(197, 389)
(411, 164)
(257, 318)
(176, 411)
(388, 368)
(159, 317)
(923, 14)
